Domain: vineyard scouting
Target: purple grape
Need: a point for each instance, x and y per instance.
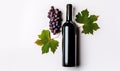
(57, 24)
(54, 26)
(49, 13)
(50, 25)
(52, 7)
(55, 20)
(53, 23)
(55, 31)
(57, 9)
(56, 15)
(52, 19)
(51, 28)
(58, 27)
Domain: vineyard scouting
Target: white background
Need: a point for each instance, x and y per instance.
(22, 20)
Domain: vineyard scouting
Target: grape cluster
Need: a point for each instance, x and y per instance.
(55, 22)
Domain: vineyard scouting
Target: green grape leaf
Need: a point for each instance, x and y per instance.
(47, 42)
(88, 20)
(53, 47)
(44, 36)
(38, 42)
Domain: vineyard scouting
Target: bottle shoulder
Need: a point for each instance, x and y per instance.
(69, 23)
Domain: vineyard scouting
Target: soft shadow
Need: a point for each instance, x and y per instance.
(78, 46)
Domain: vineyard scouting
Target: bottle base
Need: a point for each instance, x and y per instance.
(69, 65)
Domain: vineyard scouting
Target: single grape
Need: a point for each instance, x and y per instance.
(55, 31)
(56, 15)
(50, 25)
(53, 23)
(54, 26)
(51, 28)
(57, 24)
(52, 7)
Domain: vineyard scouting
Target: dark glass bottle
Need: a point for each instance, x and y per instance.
(69, 40)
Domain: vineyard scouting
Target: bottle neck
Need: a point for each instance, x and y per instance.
(69, 12)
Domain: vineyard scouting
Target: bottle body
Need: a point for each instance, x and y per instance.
(68, 45)
(69, 41)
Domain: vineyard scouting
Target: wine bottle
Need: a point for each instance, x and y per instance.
(69, 40)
